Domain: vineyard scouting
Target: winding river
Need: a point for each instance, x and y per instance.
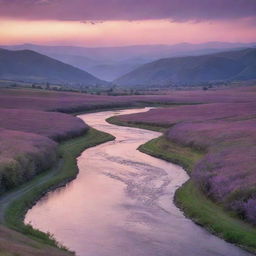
(121, 203)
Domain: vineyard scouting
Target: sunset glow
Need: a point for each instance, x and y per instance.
(111, 33)
(126, 22)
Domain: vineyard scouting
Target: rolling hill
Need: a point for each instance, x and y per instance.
(109, 63)
(27, 65)
(194, 70)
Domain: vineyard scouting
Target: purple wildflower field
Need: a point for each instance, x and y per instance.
(26, 142)
(224, 127)
(201, 112)
(227, 133)
(227, 172)
(71, 102)
(54, 125)
(22, 156)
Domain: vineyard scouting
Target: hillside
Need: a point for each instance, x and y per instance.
(27, 65)
(194, 70)
(109, 63)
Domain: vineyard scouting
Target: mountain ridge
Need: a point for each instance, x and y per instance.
(111, 62)
(30, 66)
(224, 66)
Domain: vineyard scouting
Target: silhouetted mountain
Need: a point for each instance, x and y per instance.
(192, 70)
(31, 66)
(108, 63)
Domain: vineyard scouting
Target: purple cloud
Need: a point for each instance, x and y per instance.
(178, 10)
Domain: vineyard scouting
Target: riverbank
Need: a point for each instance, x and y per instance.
(190, 199)
(15, 203)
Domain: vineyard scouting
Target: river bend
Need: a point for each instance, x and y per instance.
(121, 203)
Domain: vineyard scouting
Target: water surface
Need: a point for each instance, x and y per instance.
(121, 203)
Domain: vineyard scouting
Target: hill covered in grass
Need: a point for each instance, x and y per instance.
(27, 65)
(194, 70)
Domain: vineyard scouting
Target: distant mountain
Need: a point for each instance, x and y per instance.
(109, 63)
(81, 62)
(192, 70)
(112, 70)
(27, 65)
(121, 53)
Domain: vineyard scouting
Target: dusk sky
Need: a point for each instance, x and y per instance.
(126, 22)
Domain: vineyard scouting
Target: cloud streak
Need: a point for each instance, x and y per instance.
(107, 10)
(123, 32)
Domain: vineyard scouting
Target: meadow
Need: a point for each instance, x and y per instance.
(37, 112)
(73, 102)
(27, 144)
(57, 126)
(227, 171)
(23, 155)
(225, 136)
(195, 113)
(220, 123)
(38, 151)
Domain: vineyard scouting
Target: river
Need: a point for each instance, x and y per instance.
(121, 203)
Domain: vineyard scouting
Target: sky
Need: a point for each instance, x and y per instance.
(126, 22)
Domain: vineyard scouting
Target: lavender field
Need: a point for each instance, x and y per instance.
(224, 127)
(72, 102)
(36, 112)
(195, 113)
(54, 125)
(226, 132)
(22, 156)
(26, 142)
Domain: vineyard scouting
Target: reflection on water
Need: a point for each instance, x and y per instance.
(120, 204)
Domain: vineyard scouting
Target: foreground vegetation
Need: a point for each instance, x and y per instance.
(22, 156)
(226, 132)
(24, 197)
(28, 129)
(202, 210)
